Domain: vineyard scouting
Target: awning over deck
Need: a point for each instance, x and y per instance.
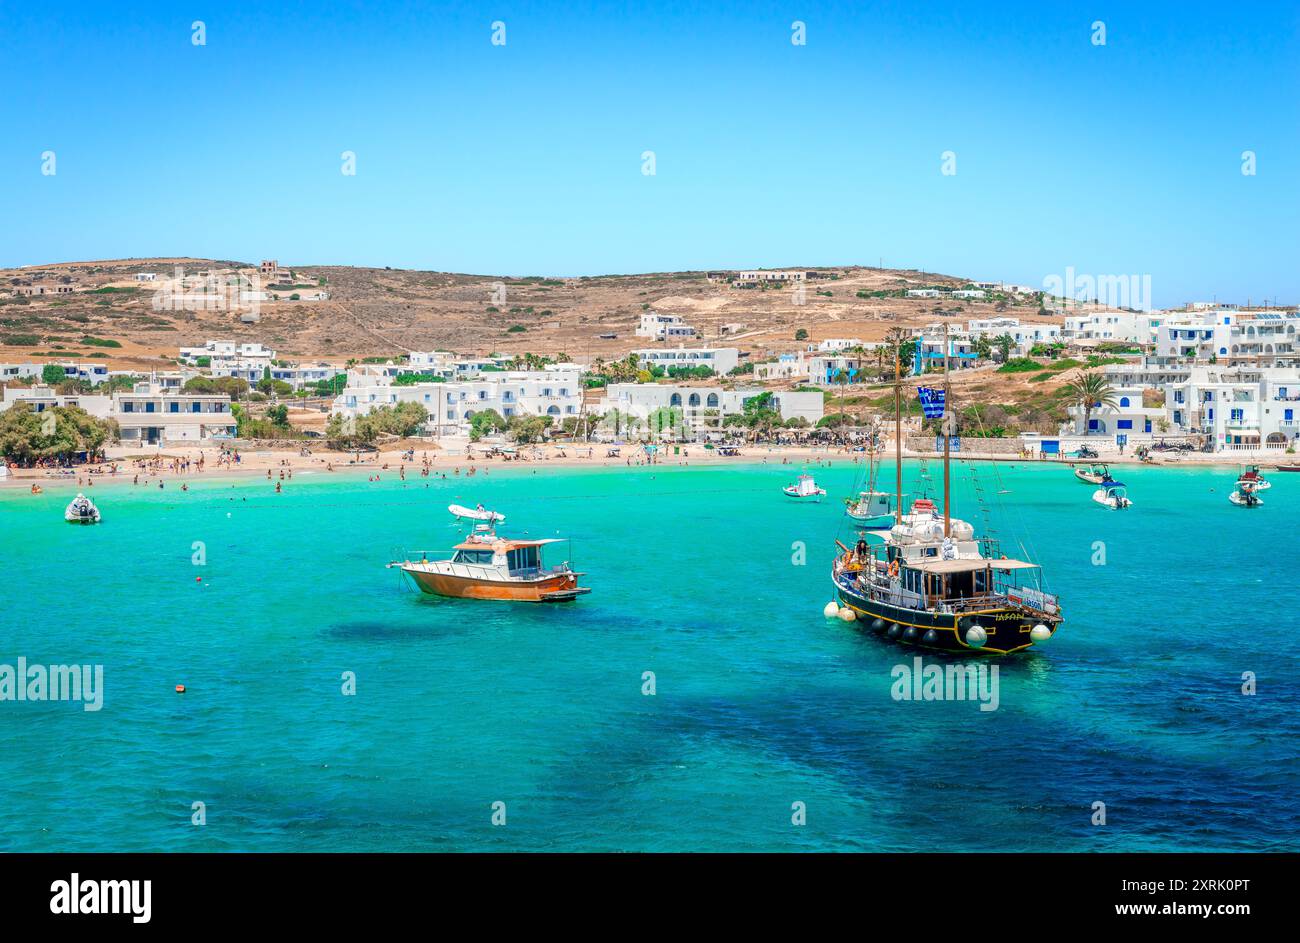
(970, 566)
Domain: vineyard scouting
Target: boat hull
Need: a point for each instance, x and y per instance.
(1007, 629)
(814, 498)
(879, 522)
(561, 588)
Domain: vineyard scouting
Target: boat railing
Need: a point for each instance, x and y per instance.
(970, 603)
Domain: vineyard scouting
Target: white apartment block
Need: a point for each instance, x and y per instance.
(95, 373)
(704, 407)
(663, 327)
(1238, 408)
(41, 398)
(838, 343)
(153, 415)
(720, 360)
(1126, 327)
(303, 375)
(785, 367)
(555, 392)
(228, 351)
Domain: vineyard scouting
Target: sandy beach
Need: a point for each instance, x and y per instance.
(454, 459)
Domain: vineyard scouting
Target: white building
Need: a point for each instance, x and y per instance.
(663, 327)
(217, 351)
(152, 415)
(302, 375)
(1238, 408)
(838, 343)
(703, 408)
(41, 398)
(1024, 337)
(785, 367)
(555, 392)
(720, 360)
(774, 276)
(1125, 327)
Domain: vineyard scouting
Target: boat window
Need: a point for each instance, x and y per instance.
(525, 558)
(473, 556)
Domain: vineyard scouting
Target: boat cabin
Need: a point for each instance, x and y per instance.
(519, 557)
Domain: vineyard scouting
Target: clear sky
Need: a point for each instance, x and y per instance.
(1122, 159)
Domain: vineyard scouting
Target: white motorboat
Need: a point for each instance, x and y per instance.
(1097, 473)
(1245, 496)
(479, 513)
(1113, 495)
(805, 489)
(82, 511)
(871, 510)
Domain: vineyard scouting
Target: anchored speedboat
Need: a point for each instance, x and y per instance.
(82, 511)
(1112, 494)
(1245, 496)
(486, 566)
(1095, 474)
(805, 489)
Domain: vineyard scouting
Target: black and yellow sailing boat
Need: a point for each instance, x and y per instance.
(931, 582)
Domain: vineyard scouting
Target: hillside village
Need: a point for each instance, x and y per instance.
(192, 352)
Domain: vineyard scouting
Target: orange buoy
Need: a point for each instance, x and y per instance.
(180, 689)
(198, 579)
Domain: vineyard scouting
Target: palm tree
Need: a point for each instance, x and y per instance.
(1091, 389)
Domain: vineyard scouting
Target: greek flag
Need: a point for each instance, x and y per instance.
(931, 402)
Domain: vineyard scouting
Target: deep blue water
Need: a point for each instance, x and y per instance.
(760, 702)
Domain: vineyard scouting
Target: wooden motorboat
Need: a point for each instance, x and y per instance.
(486, 566)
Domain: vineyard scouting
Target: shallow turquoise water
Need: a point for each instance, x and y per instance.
(760, 701)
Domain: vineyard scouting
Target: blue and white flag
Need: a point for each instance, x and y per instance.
(931, 402)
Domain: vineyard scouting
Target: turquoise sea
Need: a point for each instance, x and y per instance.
(759, 701)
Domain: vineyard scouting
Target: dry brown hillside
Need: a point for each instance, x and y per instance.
(374, 312)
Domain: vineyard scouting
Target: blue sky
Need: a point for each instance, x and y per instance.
(526, 158)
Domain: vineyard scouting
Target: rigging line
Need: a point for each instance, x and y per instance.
(1022, 531)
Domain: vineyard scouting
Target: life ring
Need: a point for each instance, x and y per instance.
(893, 570)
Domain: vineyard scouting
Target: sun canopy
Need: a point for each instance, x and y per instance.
(968, 566)
(1113, 484)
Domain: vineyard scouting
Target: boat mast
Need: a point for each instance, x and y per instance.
(945, 428)
(898, 429)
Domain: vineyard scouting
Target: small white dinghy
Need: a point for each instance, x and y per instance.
(805, 489)
(82, 511)
(1113, 495)
(475, 514)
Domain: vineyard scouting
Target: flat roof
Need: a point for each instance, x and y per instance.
(504, 546)
(967, 566)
